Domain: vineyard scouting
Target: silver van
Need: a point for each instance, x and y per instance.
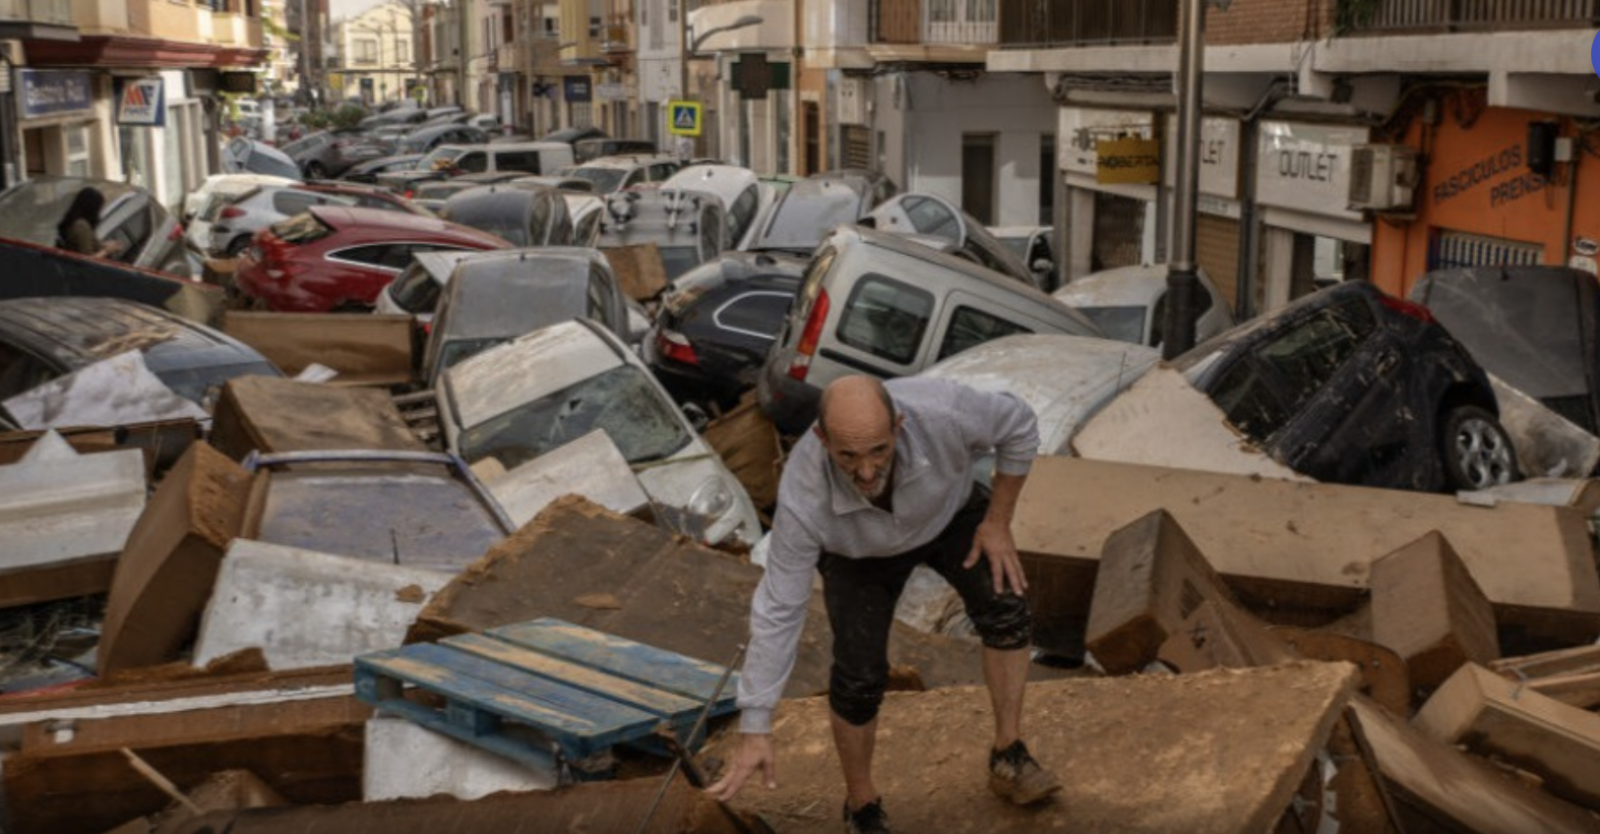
(880, 304)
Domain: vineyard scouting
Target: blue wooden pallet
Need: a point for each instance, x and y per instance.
(546, 693)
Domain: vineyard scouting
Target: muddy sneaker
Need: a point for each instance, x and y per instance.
(868, 819)
(1014, 775)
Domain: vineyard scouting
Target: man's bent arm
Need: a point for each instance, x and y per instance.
(777, 617)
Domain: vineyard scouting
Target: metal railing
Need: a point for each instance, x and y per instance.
(1467, 15)
(946, 22)
(1034, 24)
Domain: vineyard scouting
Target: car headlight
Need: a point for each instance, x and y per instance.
(711, 499)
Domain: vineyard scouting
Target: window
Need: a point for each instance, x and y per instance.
(757, 314)
(970, 328)
(886, 319)
(1306, 357)
(300, 229)
(402, 51)
(294, 202)
(600, 298)
(473, 163)
(663, 171)
(743, 212)
(517, 161)
(539, 221)
(1250, 401)
(379, 255)
(710, 235)
(366, 51)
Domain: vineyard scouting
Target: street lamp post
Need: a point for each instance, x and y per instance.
(689, 48)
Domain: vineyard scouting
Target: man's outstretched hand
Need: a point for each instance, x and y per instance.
(755, 753)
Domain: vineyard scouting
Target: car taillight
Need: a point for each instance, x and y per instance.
(409, 194)
(230, 213)
(1408, 308)
(800, 365)
(676, 347)
(427, 328)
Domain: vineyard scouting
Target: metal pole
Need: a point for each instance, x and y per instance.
(1181, 279)
(683, 49)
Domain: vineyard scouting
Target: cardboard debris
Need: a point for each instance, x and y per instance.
(407, 761)
(77, 779)
(672, 594)
(165, 574)
(1248, 742)
(1151, 579)
(111, 392)
(229, 790)
(1547, 444)
(639, 270)
(1496, 717)
(1438, 788)
(365, 350)
(1571, 676)
(1298, 553)
(1581, 495)
(161, 442)
(590, 466)
(267, 414)
(1161, 420)
(63, 519)
(748, 443)
(304, 608)
(1384, 677)
(1426, 608)
(594, 808)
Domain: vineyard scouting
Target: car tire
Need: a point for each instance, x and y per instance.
(315, 171)
(1475, 449)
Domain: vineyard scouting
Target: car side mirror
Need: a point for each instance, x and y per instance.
(698, 419)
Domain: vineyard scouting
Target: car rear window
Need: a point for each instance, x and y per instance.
(415, 290)
(301, 229)
(886, 318)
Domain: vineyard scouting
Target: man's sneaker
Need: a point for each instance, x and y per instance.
(1014, 775)
(868, 819)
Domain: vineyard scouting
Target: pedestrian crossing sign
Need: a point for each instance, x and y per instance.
(683, 118)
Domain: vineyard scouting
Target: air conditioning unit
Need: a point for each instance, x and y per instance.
(1383, 178)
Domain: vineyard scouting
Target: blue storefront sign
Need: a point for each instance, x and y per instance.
(576, 88)
(52, 92)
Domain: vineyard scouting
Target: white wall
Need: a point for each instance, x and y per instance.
(1015, 107)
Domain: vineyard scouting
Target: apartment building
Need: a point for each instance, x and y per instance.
(120, 89)
(375, 54)
(1340, 141)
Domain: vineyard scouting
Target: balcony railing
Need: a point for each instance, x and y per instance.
(1467, 15)
(935, 22)
(1044, 24)
(48, 12)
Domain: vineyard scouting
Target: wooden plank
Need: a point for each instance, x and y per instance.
(1581, 691)
(364, 349)
(626, 659)
(1558, 662)
(1454, 791)
(641, 696)
(1427, 608)
(1495, 716)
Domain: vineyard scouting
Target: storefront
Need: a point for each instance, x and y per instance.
(161, 130)
(1217, 223)
(1309, 238)
(1486, 196)
(578, 93)
(62, 115)
(1108, 224)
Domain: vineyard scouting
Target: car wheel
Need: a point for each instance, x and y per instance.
(315, 171)
(1476, 450)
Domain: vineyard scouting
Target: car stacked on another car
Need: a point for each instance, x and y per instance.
(745, 197)
(1130, 304)
(147, 236)
(813, 207)
(339, 259)
(686, 227)
(932, 216)
(328, 154)
(522, 215)
(236, 224)
(610, 174)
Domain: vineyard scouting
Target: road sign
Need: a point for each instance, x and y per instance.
(684, 118)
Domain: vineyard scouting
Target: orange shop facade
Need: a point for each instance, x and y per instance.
(1498, 186)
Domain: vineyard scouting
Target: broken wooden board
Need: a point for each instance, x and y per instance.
(596, 807)
(1496, 717)
(1545, 664)
(227, 790)
(365, 350)
(1296, 550)
(639, 270)
(1151, 579)
(166, 571)
(77, 779)
(669, 592)
(1383, 674)
(1443, 789)
(267, 414)
(1247, 743)
(748, 443)
(1427, 608)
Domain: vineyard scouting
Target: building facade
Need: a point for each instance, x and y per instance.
(376, 59)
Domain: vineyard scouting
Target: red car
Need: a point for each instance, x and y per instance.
(333, 258)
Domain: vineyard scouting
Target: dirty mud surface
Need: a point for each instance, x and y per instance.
(1248, 739)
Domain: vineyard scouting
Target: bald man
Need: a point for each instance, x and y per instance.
(881, 484)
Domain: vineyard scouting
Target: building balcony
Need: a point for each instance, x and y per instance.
(1051, 24)
(38, 20)
(1431, 16)
(231, 29)
(935, 22)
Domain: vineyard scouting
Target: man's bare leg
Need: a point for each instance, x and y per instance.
(855, 745)
(1006, 673)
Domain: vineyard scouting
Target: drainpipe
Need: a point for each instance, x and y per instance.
(1572, 199)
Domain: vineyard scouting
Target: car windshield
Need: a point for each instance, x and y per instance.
(604, 180)
(31, 210)
(415, 291)
(622, 401)
(678, 260)
(457, 350)
(1017, 245)
(804, 219)
(506, 219)
(1125, 324)
(414, 144)
(439, 158)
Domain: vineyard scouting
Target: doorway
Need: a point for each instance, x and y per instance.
(978, 176)
(813, 134)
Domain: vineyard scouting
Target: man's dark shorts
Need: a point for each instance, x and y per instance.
(861, 595)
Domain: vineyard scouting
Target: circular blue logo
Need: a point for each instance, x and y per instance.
(1594, 53)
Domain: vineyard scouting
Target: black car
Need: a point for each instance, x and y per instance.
(812, 207)
(44, 338)
(717, 322)
(367, 172)
(1535, 327)
(1351, 386)
(524, 215)
(573, 135)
